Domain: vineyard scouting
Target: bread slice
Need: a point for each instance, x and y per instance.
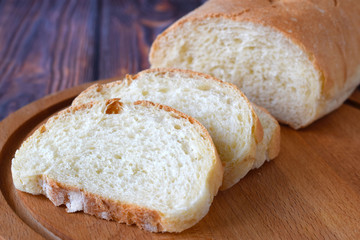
(136, 163)
(269, 147)
(219, 106)
(298, 59)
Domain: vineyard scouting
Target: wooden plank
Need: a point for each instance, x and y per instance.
(310, 191)
(45, 46)
(12, 227)
(338, 143)
(127, 30)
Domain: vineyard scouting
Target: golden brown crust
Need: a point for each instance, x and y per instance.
(258, 130)
(102, 207)
(238, 172)
(329, 33)
(273, 147)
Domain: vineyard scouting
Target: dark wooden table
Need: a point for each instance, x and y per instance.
(47, 46)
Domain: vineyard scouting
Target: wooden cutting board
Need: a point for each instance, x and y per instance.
(312, 190)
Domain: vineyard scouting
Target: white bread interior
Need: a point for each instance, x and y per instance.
(298, 59)
(219, 106)
(139, 163)
(269, 68)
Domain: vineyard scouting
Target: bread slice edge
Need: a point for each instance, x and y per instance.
(145, 218)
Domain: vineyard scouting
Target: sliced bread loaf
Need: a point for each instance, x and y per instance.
(136, 163)
(219, 106)
(269, 147)
(298, 59)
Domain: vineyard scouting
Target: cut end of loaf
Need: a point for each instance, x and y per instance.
(269, 68)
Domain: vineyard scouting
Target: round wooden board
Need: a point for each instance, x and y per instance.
(311, 190)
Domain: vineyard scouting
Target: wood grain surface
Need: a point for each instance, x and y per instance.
(48, 46)
(311, 191)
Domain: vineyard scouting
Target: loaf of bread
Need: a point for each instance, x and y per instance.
(219, 106)
(299, 59)
(136, 163)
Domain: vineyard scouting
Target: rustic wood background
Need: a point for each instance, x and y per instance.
(47, 46)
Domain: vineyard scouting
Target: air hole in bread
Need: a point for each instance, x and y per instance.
(175, 115)
(186, 90)
(114, 107)
(189, 59)
(204, 87)
(183, 48)
(42, 129)
(164, 90)
(238, 40)
(185, 148)
(203, 136)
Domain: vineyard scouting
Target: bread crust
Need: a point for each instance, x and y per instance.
(101, 207)
(328, 31)
(273, 147)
